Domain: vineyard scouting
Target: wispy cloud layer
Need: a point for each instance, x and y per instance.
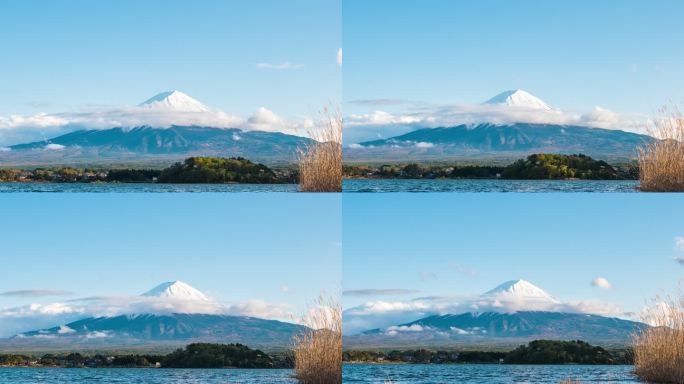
(379, 292)
(281, 66)
(36, 293)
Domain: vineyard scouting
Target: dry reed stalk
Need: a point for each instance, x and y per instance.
(661, 162)
(659, 350)
(320, 163)
(318, 351)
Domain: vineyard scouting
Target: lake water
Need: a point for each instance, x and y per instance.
(354, 185)
(144, 376)
(486, 374)
(144, 187)
(480, 185)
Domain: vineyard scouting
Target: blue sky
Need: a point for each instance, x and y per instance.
(277, 248)
(63, 55)
(622, 55)
(411, 56)
(466, 244)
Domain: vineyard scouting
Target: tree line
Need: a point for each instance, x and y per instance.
(196, 355)
(536, 352)
(534, 167)
(196, 170)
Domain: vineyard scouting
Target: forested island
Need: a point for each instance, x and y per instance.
(543, 166)
(536, 352)
(195, 170)
(197, 355)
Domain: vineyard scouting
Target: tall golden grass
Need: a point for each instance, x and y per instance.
(661, 162)
(320, 163)
(659, 350)
(318, 351)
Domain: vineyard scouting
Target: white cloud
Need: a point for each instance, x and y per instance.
(36, 293)
(383, 118)
(602, 283)
(378, 292)
(422, 144)
(265, 119)
(41, 127)
(36, 316)
(393, 330)
(261, 309)
(96, 335)
(281, 66)
(63, 330)
(459, 331)
(368, 126)
(383, 314)
(54, 147)
(601, 118)
(18, 130)
(679, 243)
(339, 57)
(41, 120)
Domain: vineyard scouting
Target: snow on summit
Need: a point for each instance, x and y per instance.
(175, 101)
(519, 290)
(518, 98)
(176, 290)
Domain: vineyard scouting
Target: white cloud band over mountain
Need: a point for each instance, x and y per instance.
(514, 296)
(507, 108)
(176, 297)
(161, 111)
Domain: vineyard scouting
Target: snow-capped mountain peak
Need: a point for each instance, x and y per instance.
(518, 98)
(174, 100)
(519, 290)
(177, 290)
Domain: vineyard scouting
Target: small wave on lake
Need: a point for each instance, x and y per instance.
(486, 373)
(487, 185)
(144, 187)
(145, 376)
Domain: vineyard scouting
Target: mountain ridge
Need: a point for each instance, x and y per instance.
(510, 141)
(145, 143)
(493, 328)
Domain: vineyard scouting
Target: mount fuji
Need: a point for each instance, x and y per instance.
(513, 313)
(174, 101)
(489, 140)
(175, 126)
(518, 99)
(160, 330)
(176, 290)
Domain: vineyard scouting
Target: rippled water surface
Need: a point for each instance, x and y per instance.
(423, 185)
(486, 374)
(144, 376)
(144, 187)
